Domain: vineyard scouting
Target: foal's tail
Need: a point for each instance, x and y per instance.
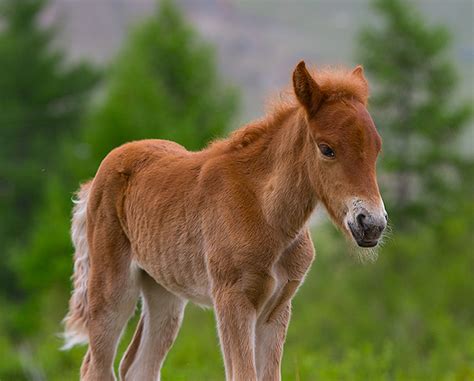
(75, 322)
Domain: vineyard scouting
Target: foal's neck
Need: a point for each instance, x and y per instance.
(287, 195)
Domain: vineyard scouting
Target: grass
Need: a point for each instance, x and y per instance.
(406, 317)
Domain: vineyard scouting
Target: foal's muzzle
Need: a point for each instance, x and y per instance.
(367, 228)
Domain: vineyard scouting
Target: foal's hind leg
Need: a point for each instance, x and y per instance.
(112, 294)
(158, 327)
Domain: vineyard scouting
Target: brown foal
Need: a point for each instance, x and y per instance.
(224, 227)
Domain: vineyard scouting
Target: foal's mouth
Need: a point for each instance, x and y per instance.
(368, 243)
(360, 239)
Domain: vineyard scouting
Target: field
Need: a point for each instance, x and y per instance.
(351, 321)
(408, 316)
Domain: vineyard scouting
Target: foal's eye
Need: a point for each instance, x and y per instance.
(326, 151)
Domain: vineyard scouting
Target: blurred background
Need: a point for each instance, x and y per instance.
(78, 78)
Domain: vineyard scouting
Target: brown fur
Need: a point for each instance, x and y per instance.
(224, 227)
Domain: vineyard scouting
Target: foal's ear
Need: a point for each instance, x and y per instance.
(359, 73)
(306, 89)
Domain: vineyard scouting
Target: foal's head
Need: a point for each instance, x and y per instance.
(346, 145)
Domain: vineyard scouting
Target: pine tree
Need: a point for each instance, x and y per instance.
(165, 84)
(41, 100)
(417, 110)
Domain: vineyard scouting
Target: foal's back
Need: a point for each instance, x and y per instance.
(153, 185)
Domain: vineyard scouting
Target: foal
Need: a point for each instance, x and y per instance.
(224, 227)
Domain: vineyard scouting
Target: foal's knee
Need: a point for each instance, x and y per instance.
(250, 292)
(259, 288)
(281, 309)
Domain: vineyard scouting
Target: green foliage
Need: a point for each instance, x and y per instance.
(41, 98)
(164, 84)
(417, 110)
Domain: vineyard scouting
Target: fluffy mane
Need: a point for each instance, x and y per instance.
(334, 83)
(338, 83)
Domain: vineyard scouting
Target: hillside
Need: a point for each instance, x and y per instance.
(258, 43)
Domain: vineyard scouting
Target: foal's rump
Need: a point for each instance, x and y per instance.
(135, 194)
(161, 214)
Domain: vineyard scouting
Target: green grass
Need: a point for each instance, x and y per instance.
(409, 316)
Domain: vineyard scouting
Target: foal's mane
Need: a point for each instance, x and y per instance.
(336, 84)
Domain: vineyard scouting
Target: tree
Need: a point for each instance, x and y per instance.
(417, 110)
(422, 271)
(164, 84)
(41, 98)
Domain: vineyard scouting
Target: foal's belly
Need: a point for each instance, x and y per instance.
(162, 218)
(182, 271)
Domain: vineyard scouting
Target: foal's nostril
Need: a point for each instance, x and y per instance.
(361, 220)
(386, 216)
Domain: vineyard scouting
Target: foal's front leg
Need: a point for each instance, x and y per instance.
(271, 329)
(236, 309)
(236, 326)
(272, 323)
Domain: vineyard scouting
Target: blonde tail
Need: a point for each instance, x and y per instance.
(75, 322)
